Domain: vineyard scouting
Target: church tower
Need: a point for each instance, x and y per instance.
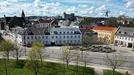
(23, 14)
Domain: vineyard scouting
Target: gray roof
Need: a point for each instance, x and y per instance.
(30, 31)
(125, 31)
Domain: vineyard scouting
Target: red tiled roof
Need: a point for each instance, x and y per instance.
(103, 28)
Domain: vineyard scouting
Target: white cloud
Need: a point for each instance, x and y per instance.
(102, 8)
(36, 3)
(122, 13)
(12, 0)
(83, 6)
(130, 5)
(129, 0)
(5, 4)
(71, 10)
(26, 5)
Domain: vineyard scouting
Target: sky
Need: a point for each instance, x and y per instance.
(90, 8)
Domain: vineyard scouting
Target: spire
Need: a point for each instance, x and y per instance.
(23, 14)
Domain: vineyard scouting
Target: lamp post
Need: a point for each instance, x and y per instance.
(25, 44)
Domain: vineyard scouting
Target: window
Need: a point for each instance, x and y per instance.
(60, 36)
(27, 37)
(128, 38)
(52, 37)
(67, 36)
(35, 37)
(56, 37)
(39, 37)
(31, 37)
(42, 37)
(64, 41)
(24, 37)
(67, 32)
(74, 36)
(64, 32)
(60, 32)
(71, 36)
(125, 38)
(46, 41)
(46, 37)
(131, 39)
(71, 32)
(78, 36)
(63, 36)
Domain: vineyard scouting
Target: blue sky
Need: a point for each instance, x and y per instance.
(91, 8)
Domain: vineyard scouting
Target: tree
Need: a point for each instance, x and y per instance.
(40, 50)
(112, 21)
(85, 60)
(87, 41)
(17, 54)
(35, 57)
(77, 60)
(67, 55)
(6, 47)
(114, 61)
(87, 20)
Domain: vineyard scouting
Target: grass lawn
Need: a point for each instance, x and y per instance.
(48, 69)
(109, 72)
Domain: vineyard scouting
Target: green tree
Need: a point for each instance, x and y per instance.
(112, 21)
(6, 47)
(40, 50)
(87, 20)
(35, 57)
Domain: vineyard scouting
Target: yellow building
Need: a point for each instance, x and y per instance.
(105, 34)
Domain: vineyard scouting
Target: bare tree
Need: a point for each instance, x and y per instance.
(114, 61)
(85, 60)
(67, 55)
(77, 60)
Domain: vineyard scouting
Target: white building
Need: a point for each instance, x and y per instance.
(124, 37)
(49, 36)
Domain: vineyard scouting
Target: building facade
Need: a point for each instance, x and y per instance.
(105, 34)
(124, 37)
(52, 36)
